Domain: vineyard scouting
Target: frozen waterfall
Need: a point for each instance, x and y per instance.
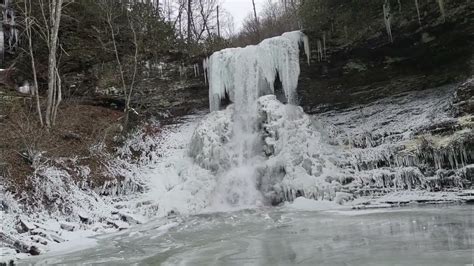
(231, 142)
(246, 73)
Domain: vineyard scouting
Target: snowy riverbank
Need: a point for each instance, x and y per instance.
(175, 186)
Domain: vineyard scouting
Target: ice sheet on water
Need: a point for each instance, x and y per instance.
(304, 204)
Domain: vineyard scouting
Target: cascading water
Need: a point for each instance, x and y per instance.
(244, 75)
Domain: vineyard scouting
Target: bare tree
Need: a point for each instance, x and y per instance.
(190, 20)
(203, 22)
(218, 23)
(275, 18)
(126, 89)
(255, 13)
(8, 29)
(54, 80)
(134, 75)
(28, 26)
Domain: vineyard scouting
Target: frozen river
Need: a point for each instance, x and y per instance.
(435, 235)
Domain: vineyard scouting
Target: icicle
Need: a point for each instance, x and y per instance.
(387, 19)
(441, 8)
(399, 6)
(181, 71)
(195, 71)
(205, 65)
(307, 49)
(324, 45)
(238, 72)
(320, 51)
(418, 11)
(160, 70)
(14, 29)
(2, 42)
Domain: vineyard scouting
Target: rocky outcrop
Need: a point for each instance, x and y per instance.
(402, 142)
(175, 85)
(464, 98)
(358, 63)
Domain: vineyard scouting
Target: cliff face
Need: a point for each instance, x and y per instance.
(357, 63)
(173, 86)
(360, 64)
(402, 108)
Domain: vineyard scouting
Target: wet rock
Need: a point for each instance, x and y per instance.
(40, 240)
(118, 224)
(129, 218)
(172, 214)
(463, 102)
(84, 218)
(34, 250)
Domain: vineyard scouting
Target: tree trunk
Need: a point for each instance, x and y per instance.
(257, 23)
(255, 13)
(53, 99)
(218, 23)
(33, 65)
(135, 68)
(190, 20)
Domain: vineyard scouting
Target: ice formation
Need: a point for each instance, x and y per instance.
(400, 143)
(441, 8)
(229, 142)
(387, 18)
(205, 66)
(418, 11)
(324, 46)
(233, 149)
(246, 73)
(258, 148)
(320, 51)
(196, 70)
(280, 159)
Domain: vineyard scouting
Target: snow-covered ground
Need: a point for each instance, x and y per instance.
(84, 212)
